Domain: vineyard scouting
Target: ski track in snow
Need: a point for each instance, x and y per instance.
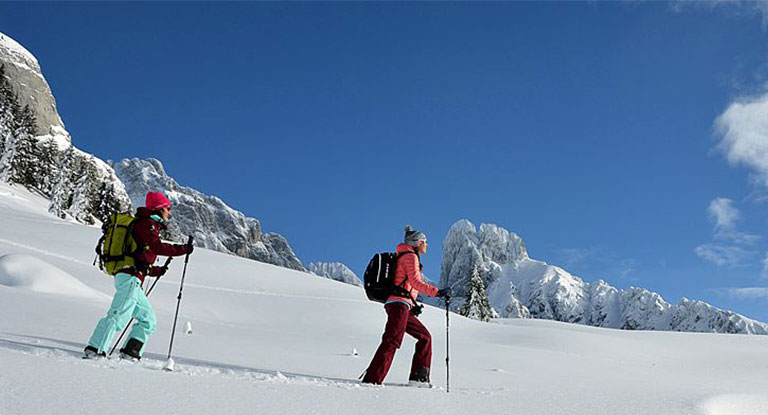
(264, 293)
(44, 252)
(191, 367)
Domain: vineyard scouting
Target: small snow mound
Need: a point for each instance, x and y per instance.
(32, 273)
(736, 404)
(280, 377)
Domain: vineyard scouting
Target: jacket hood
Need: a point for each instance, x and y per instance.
(145, 213)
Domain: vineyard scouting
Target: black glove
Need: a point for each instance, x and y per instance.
(190, 248)
(445, 292)
(157, 271)
(416, 310)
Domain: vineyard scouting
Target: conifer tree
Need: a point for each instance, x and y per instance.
(106, 202)
(24, 168)
(18, 161)
(83, 194)
(7, 125)
(62, 192)
(48, 155)
(476, 304)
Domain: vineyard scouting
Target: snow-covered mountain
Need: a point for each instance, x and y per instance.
(518, 286)
(215, 225)
(36, 150)
(335, 271)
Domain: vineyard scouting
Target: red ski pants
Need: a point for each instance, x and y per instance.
(399, 321)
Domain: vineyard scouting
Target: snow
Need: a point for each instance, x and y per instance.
(272, 340)
(735, 404)
(29, 272)
(20, 51)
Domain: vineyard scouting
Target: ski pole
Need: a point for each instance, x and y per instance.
(169, 363)
(167, 262)
(447, 344)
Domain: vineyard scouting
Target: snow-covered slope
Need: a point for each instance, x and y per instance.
(335, 271)
(253, 320)
(518, 286)
(214, 224)
(272, 340)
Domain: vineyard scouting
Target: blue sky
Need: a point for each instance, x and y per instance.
(622, 141)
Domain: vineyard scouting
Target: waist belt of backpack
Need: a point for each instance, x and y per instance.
(405, 293)
(134, 270)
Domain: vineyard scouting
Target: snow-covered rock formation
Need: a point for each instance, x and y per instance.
(31, 87)
(214, 224)
(335, 271)
(36, 150)
(518, 286)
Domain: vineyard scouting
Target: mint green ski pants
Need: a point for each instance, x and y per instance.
(129, 301)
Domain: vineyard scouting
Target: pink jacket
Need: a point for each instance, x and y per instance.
(408, 270)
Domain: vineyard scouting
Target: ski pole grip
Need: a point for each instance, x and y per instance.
(190, 240)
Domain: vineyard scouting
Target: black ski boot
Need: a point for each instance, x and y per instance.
(91, 352)
(420, 378)
(132, 350)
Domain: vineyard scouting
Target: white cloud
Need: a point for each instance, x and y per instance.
(747, 293)
(735, 6)
(739, 237)
(724, 256)
(765, 266)
(743, 130)
(723, 213)
(571, 256)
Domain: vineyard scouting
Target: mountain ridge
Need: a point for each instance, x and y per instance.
(519, 286)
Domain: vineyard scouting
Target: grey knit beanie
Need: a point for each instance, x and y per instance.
(413, 237)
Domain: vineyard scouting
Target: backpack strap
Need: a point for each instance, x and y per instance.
(403, 291)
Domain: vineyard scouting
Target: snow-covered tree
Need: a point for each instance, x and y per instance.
(8, 109)
(84, 193)
(63, 189)
(24, 167)
(476, 304)
(106, 202)
(19, 161)
(48, 155)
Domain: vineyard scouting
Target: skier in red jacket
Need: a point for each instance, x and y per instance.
(402, 315)
(129, 300)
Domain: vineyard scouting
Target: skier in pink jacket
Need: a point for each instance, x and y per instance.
(402, 315)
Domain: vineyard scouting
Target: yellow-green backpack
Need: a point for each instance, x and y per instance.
(116, 248)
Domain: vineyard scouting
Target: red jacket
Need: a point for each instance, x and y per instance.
(146, 232)
(408, 270)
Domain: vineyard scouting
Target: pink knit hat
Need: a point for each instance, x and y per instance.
(156, 201)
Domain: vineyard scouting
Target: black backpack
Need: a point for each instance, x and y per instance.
(379, 277)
